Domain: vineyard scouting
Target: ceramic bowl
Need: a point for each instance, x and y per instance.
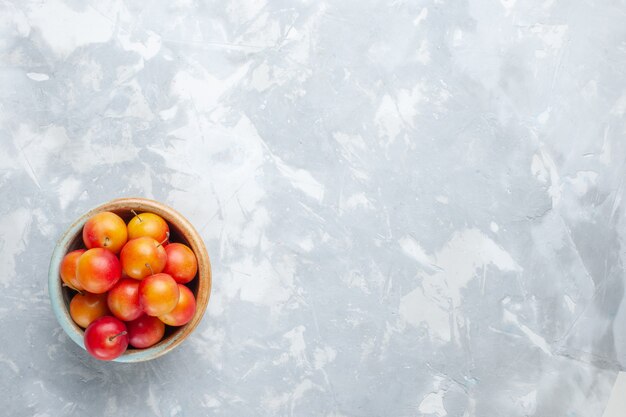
(180, 231)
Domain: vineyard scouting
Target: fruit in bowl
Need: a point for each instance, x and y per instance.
(130, 293)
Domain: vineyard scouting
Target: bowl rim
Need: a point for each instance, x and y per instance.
(55, 287)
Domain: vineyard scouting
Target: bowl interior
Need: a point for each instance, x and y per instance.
(180, 231)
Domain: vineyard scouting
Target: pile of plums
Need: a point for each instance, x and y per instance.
(129, 282)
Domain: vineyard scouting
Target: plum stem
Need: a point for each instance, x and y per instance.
(150, 268)
(72, 288)
(167, 236)
(122, 333)
(136, 215)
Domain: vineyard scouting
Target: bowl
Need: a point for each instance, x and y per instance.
(180, 231)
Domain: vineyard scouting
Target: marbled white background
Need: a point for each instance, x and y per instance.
(413, 208)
